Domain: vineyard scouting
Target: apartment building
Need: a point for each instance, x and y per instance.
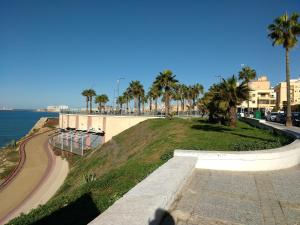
(262, 95)
(281, 92)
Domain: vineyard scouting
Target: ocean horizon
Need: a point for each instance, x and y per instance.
(15, 124)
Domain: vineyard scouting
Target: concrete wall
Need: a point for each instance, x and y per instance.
(111, 125)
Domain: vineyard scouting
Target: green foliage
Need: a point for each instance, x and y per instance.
(250, 146)
(136, 90)
(222, 99)
(247, 74)
(285, 30)
(165, 82)
(90, 177)
(166, 156)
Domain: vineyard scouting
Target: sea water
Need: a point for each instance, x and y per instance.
(15, 124)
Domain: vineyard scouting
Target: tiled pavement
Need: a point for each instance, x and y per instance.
(219, 198)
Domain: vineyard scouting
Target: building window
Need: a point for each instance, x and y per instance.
(253, 102)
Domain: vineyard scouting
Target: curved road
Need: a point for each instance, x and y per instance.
(40, 176)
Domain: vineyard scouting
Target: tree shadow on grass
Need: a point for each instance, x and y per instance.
(253, 137)
(80, 212)
(247, 128)
(209, 127)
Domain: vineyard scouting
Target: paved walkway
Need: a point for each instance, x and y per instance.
(218, 197)
(36, 182)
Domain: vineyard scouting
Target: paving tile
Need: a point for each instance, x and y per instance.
(235, 198)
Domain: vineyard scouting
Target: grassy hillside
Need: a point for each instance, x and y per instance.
(97, 180)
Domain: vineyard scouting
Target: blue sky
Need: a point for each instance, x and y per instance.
(51, 50)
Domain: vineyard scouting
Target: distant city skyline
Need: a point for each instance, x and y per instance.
(52, 50)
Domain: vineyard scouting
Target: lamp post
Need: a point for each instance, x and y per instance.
(118, 88)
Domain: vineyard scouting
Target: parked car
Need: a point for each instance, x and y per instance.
(281, 118)
(296, 119)
(272, 116)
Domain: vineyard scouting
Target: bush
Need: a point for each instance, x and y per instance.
(250, 146)
(165, 157)
(90, 177)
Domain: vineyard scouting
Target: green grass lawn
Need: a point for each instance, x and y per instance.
(132, 155)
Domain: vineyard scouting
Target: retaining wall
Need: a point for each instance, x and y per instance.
(111, 125)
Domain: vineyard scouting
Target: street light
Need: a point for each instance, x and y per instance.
(118, 88)
(118, 84)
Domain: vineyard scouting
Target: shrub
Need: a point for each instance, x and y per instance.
(90, 177)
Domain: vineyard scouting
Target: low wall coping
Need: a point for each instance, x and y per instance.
(142, 204)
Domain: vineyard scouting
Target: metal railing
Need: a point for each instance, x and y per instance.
(76, 142)
(160, 113)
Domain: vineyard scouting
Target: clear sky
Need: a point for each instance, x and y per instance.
(51, 50)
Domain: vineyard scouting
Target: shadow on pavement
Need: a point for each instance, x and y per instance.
(162, 217)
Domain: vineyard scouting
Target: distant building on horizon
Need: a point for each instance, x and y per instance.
(57, 108)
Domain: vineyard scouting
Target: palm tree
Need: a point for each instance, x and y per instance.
(176, 96)
(144, 100)
(127, 97)
(196, 90)
(136, 89)
(233, 94)
(247, 74)
(285, 31)
(182, 91)
(165, 82)
(91, 93)
(121, 100)
(85, 93)
(101, 100)
(154, 93)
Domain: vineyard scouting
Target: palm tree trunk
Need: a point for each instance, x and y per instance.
(143, 107)
(139, 105)
(87, 104)
(182, 105)
(232, 116)
(155, 106)
(194, 104)
(135, 105)
(150, 104)
(288, 89)
(167, 107)
(177, 106)
(248, 108)
(91, 102)
(127, 108)
(100, 104)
